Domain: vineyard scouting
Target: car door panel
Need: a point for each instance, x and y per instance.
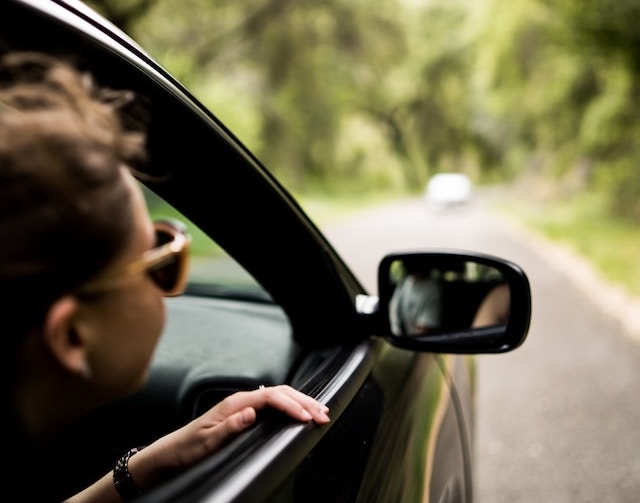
(398, 440)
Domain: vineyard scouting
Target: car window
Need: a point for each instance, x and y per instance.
(212, 271)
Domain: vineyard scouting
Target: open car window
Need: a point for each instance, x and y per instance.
(212, 271)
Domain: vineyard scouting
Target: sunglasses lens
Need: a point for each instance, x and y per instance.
(167, 274)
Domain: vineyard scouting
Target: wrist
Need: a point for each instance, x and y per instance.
(124, 483)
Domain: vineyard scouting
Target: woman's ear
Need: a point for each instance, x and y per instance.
(62, 337)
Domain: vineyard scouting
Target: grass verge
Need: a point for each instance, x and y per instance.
(581, 223)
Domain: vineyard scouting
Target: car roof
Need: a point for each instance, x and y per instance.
(214, 180)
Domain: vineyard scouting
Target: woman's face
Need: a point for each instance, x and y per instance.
(127, 320)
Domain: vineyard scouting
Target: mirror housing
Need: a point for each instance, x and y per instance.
(453, 302)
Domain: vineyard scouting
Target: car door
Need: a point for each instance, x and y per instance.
(395, 435)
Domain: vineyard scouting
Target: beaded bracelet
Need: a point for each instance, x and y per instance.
(122, 479)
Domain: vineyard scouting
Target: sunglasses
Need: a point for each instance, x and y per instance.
(167, 264)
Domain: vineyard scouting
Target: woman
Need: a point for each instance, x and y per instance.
(82, 280)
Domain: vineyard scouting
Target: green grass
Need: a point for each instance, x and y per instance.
(581, 223)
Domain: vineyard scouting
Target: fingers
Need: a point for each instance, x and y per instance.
(284, 398)
(230, 427)
(197, 439)
(237, 412)
(294, 403)
(204, 435)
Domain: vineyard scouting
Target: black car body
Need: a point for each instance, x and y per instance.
(402, 407)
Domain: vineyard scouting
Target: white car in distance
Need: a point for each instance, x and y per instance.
(448, 190)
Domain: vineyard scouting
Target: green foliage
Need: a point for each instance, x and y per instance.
(123, 13)
(607, 121)
(368, 95)
(608, 27)
(619, 181)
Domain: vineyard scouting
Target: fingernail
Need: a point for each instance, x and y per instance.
(247, 416)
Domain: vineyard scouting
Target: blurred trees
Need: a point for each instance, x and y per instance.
(563, 83)
(374, 94)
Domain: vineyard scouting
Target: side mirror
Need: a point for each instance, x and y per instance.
(453, 302)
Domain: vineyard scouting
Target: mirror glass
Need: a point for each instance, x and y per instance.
(434, 296)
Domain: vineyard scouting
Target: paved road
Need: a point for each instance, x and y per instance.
(559, 418)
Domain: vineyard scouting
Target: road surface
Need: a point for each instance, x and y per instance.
(559, 418)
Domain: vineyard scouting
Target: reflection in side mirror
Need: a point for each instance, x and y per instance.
(454, 302)
(428, 298)
(494, 308)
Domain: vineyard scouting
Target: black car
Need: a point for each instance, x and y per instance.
(270, 301)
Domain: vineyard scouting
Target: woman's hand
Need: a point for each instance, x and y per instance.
(184, 447)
